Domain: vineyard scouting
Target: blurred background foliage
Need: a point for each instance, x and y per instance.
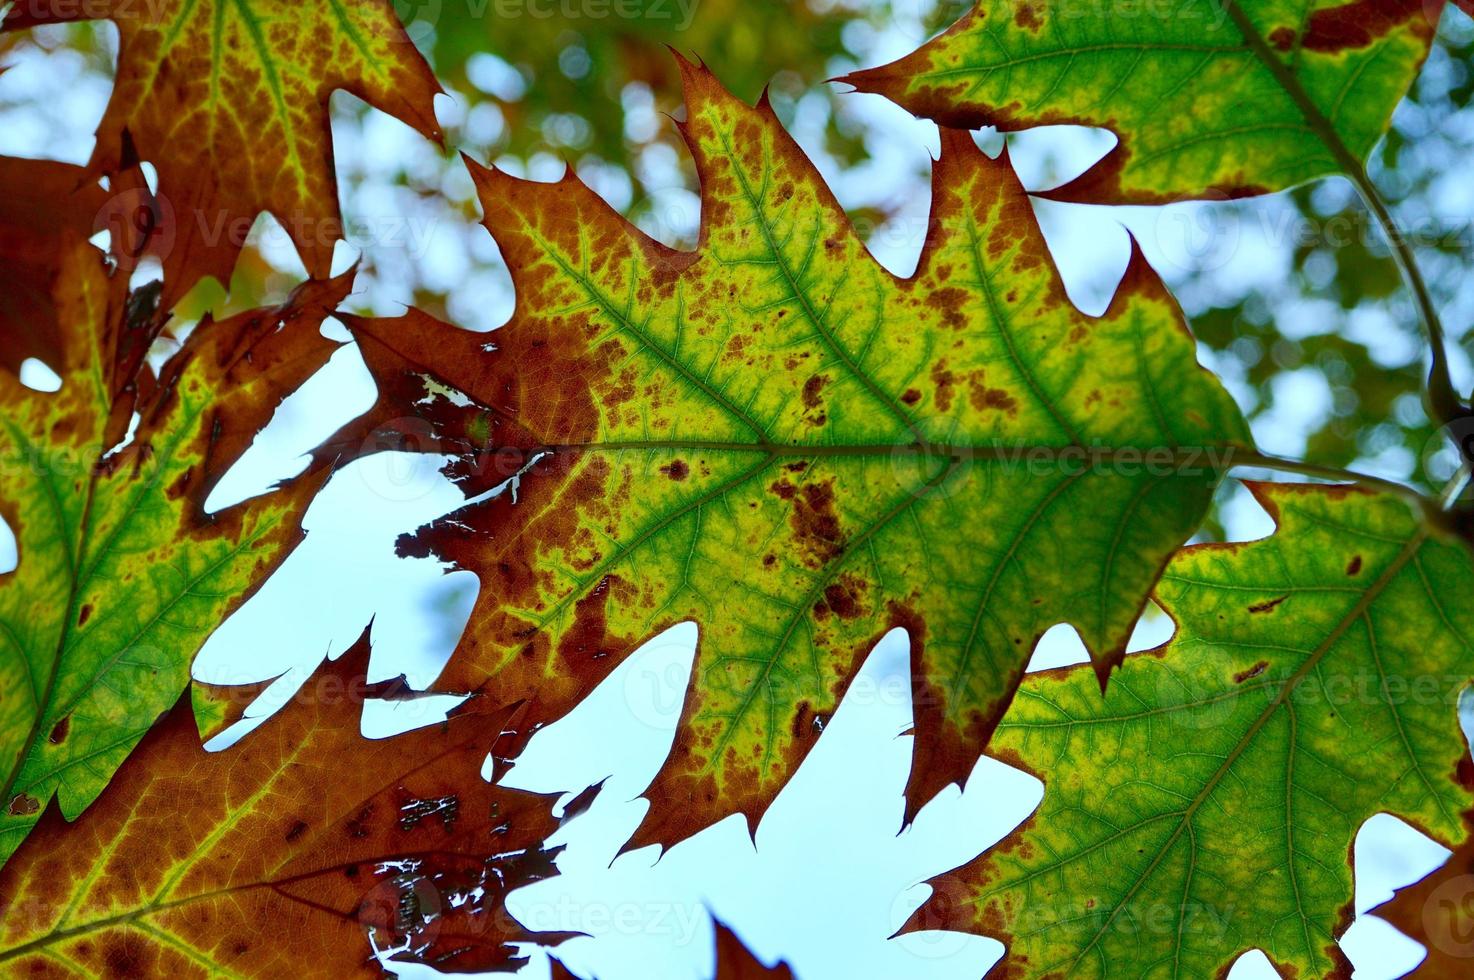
(588, 70)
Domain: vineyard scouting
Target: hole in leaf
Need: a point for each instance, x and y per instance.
(37, 374)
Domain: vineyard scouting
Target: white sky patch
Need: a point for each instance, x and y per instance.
(434, 389)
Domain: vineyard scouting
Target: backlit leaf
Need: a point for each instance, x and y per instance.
(1201, 106)
(44, 207)
(778, 439)
(304, 844)
(1207, 805)
(229, 100)
(122, 574)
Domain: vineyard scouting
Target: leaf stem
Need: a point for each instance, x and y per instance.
(1431, 509)
(1443, 401)
(1444, 404)
(1455, 488)
(1284, 464)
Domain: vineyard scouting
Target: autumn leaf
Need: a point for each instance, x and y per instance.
(43, 207)
(1206, 98)
(122, 574)
(1438, 912)
(229, 100)
(1207, 805)
(734, 961)
(780, 440)
(303, 844)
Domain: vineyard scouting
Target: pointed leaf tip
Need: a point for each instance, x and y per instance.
(262, 95)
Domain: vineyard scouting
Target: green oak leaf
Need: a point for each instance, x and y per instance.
(1207, 98)
(775, 437)
(1207, 806)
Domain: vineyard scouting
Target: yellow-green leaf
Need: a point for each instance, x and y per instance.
(1207, 806)
(775, 437)
(229, 100)
(121, 573)
(1206, 98)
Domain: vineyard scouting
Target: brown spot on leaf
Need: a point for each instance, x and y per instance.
(945, 381)
(736, 346)
(1351, 25)
(843, 598)
(60, 730)
(814, 413)
(84, 614)
(802, 718)
(357, 826)
(677, 470)
(949, 302)
(1354, 566)
(812, 388)
(1269, 605)
(1464, 772)
(818, 536)
(911, 396)
(23, 805)
(1252, 672)
(985, 399)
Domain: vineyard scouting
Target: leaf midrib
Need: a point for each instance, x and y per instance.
(1000, 451)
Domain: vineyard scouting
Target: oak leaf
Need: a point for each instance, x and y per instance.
(775, 437)
(121, 572)
(1207, 99)
(302, 850)
(1208, 804)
